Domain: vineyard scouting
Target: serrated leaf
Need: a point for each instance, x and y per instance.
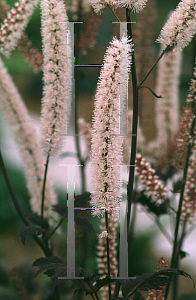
(150, 281)
(80, 201)
(54, 267)
(36, 219)
(61, 208)
(183, 254)
(104, 281)
(29, 230)
(83, 224)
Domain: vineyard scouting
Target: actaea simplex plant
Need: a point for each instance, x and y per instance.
(107, 149)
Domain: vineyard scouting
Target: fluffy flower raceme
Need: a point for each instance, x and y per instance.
(24, 45)
(85, 129)
(75, 6)
(167, 108)
(14, 24)
(180, 27)
(57, 75)
(24, 133)
(160, 294)
(90, 31)
(153, 186)
(189, 200)
(106, 149)
(135, 5)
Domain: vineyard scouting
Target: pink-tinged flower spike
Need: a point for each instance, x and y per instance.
(153, 186)
(85, 129)
(166, 108)
(25, 136)
(189, 199)
(14, 24)
(24, 45)
(180, 27)
(160, 294)
(106, 149)
(135, 5)
(57, 75)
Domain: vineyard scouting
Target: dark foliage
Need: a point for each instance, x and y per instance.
(183, 254)
(147, 282)
(177, 186)
(83, 290)
(83, 224)
(54, 267)
(61, 208)
(29, 230)
(4, 277)
(80, 201)
(36, 219)
(146, 201)
(138, 296)
(171, 170)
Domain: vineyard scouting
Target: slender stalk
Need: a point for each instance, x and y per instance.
(90, 288)
(163, 230)
(46, 251)
(179, 247)
(93, 291)
(134, 133)
(43, 189)
(13, 196)
(175, 252)
(108, 253)
(81, 161)
(156, 62)
(56, 227)
(114, 13)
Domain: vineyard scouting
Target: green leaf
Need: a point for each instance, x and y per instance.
(83, 290)
(29, 230)
(150, 281)
(54, 267)
(36, 219)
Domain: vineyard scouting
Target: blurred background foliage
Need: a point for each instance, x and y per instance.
(30, 84)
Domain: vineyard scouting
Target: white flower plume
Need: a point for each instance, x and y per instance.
(57, 75)
(13, 26)
(180, 27)
(166, 108)
(25, 136)
(106, 149)
(134, 5)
